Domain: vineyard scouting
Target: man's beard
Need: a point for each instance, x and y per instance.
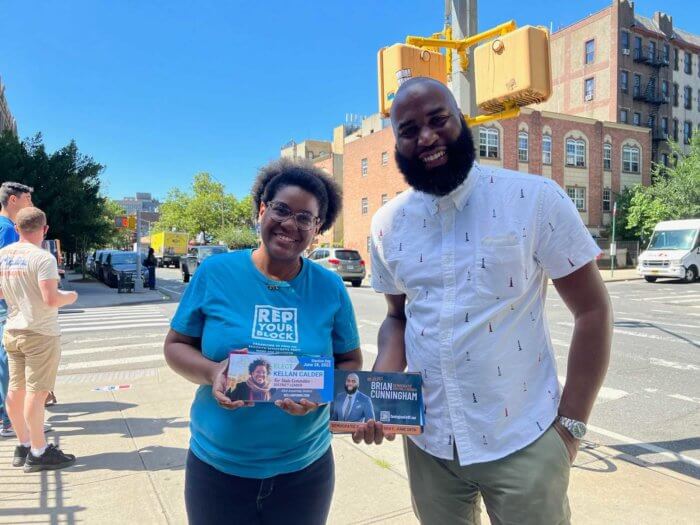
(351, 391)
(442, 179)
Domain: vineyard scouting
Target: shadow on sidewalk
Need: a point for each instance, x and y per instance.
(62, 411)
(44, 501)
(151, 458)
(129, 427)
(639, 324)
(675, 448)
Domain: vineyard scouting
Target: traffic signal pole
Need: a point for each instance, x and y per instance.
(138, 282)
(462, 18)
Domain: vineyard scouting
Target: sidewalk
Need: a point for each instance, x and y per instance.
(131, 447)
(626, 274)
(92, 293)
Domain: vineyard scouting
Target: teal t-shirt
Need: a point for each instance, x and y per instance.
(226, 304)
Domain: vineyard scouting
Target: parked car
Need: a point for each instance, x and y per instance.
(121, 262)
(195, 256)
(347, 263)
(53, 246)
(90, 262)
(100, 259)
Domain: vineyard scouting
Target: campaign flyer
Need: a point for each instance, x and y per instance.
(267, 378)
(394, 399)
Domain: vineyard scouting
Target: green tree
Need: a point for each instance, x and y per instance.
(674, 193)
(66, 186)
(236, 237)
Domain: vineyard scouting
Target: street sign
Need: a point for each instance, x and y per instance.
(613, 249)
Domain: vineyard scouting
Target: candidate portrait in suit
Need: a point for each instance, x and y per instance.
(352, 405)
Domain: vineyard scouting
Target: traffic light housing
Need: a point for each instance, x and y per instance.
(398, 63)
(513, 70)
(132, 222)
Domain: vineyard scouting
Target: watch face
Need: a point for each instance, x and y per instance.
(578, 430)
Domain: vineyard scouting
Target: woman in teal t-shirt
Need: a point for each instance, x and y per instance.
(264, 462)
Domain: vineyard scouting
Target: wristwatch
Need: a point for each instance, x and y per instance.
(575, 428)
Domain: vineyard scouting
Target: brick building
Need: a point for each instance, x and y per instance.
(592, 160)
(616, 65)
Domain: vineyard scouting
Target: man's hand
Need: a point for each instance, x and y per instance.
(570, 441)
(303, 407)
(372, 432)
(218, 388)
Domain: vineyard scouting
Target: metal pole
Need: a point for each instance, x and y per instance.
(613, 245)
(138, 282)
(463, 20)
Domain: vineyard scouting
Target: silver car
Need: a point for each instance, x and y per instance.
(347, 263)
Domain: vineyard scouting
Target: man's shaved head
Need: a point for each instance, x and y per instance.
(434, 147)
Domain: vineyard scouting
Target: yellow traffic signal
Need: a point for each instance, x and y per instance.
(513, 70)
(398, 63)
(132, 222)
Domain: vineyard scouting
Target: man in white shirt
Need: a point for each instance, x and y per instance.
(464, 260)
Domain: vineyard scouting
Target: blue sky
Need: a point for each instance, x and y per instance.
(159, 90)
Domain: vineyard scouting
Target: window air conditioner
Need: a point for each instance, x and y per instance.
(625, 51)
(588, 97)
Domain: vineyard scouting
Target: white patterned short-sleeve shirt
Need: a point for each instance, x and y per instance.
(474, 267)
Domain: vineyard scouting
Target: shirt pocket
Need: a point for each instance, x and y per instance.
(499, 267)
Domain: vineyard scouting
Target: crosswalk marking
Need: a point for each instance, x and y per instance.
(114, 327)
(99, 349)
(111, 318)
(111, 362)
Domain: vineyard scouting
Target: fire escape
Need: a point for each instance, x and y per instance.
(652, 95)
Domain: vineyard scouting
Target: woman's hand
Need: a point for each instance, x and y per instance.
(303, 407)
(218, 388)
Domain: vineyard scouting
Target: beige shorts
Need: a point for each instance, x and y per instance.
(33, 360)
(527, 487)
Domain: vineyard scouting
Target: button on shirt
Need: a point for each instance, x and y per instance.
(474, 266)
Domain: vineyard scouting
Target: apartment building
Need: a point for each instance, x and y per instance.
(7, 121)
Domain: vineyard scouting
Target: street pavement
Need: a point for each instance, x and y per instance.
(640, 463)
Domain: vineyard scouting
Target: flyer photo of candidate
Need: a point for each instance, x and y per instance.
(256, 387)
(352, 405)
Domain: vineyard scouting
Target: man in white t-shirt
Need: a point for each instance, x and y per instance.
(29, 284)
(464, 259)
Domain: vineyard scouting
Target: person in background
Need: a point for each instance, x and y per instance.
(151, 262)
(13, 197)
(32, 339)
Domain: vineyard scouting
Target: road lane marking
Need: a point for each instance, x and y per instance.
(605, 392)
(113, 327)
(646, 446)
(96, 349)
(104, 323)
(368, 322)
(673, 364)
(662, 311)
(111, 362)
(111, 318)
(120, 338)
(98, 309)
(655, 322)
(685, 398)
(372, 349)
(639, 334)
(171, 290)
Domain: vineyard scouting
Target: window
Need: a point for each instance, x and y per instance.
(675, 59)
(488, 143)
(546, 149)
(636, 118)
(363, 164)
(687, 97)
(624, 40)
(607, 156)
(607, 193)
(623, 116)
(630, 159)
(675, 95)
(664, 159)
(667, 53)
(522, 146)
(651, 121)
(651, 50)
(578, 195)
(664, 127)
(675, 129)
(590, 52)
(637, 86)
(369, 245)
(664, 88)
(637, 47)
(624, 78)
(687, 132)
(385, 158)
(385, 198)
(688, 63)
(365, 206)
(576, 153)
(589, 88)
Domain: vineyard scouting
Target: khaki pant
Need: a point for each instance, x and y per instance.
(33, 360)
(526, 487)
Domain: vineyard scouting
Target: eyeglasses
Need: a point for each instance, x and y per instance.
(280, 212)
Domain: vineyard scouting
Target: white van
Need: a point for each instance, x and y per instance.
(673, 251)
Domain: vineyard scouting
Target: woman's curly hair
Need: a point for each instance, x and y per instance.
(284, 172)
